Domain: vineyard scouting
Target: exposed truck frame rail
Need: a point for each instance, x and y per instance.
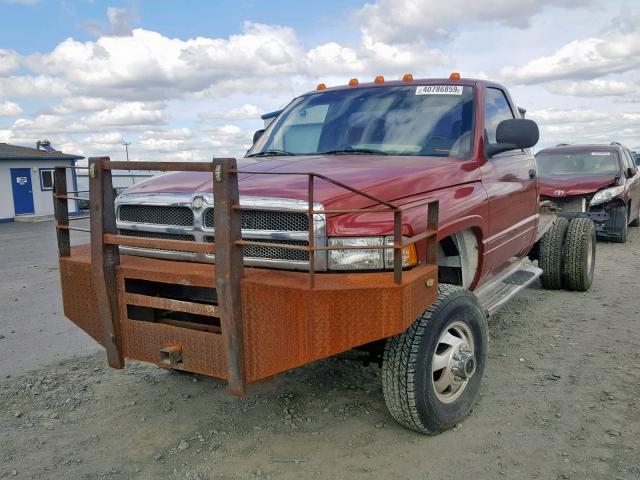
(267, 321)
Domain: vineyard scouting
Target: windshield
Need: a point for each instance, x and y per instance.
(580, 163)
(406, 120)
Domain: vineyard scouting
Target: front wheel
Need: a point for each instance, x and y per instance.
(432, 372)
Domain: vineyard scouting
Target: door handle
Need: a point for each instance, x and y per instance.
(532, 173)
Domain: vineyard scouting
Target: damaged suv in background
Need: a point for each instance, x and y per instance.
(601, 181)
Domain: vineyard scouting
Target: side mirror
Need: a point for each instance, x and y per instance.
(631, 171)
(256, 135)
(514, 134)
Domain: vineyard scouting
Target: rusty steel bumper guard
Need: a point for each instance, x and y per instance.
(244, 324)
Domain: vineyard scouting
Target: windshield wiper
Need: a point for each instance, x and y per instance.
(349, 150)
(273, 152)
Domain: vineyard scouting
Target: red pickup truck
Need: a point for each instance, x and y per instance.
(390, 217)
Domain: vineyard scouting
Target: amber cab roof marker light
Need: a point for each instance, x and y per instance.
(321, 86)
(454, 76)
(353, 82)
(407, 77)
(379, 79)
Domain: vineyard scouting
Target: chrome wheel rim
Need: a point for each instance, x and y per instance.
(453, 362)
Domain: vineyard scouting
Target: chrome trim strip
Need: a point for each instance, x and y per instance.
(200, 232)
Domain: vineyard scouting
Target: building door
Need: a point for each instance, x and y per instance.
(22, 190)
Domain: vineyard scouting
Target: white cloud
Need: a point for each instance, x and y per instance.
(166, 141)
(404, 21)
(8, 61)
(556, 116)
(244, 112)
(128, 114)
(119, 20)
(592, 88)
(149, 66)
(585, 125)
(32, 86)
(616, 50)
(9, 109)
(227, 140)
(83, 104)
(111, 138)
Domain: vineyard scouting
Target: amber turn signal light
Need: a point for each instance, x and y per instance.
(454, 76)
(353, 82)
(407, 77)
(379, 79)
(411, 254)
(321, 86)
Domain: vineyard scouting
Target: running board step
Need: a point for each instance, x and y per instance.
(498, 291)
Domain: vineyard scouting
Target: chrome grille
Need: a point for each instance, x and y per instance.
(161, 235)
(266, 220)
(259, 251)
(170, 216)
(156, 215)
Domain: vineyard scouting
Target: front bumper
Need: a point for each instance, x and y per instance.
(286, 323)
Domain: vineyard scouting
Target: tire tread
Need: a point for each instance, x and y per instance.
(574, 275)
(550, 256)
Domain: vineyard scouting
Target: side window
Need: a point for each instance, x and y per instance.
(301, 131)
(496, 109)
(628, 160)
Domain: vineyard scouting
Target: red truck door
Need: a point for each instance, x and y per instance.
(509, 179)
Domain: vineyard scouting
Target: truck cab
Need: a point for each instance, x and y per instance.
(401, 141)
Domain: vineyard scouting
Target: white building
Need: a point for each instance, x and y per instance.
(26, 180)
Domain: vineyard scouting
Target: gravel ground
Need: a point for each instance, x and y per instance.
(35, 331)
(561, 399)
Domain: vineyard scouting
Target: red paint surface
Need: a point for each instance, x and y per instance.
(574, 185)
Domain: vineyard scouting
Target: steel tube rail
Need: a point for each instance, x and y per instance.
(61, 211)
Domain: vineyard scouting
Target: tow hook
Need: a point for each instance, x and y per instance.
(171, 356)
(464, 363)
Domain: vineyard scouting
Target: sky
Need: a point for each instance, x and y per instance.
(189, 80)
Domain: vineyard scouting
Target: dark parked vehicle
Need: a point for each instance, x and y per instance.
(599, 181)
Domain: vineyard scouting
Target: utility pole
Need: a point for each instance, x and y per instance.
(126, 149)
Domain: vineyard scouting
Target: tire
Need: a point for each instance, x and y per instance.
(618, 224)
(550, 254)
(408, 382)
(579, 255)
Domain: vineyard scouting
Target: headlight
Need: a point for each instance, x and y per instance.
(366, 259)
(356, 259)
(605, 195)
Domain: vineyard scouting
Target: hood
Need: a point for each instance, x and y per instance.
(567, 185)
(386, 177)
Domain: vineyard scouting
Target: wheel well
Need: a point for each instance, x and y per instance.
(458, 258)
